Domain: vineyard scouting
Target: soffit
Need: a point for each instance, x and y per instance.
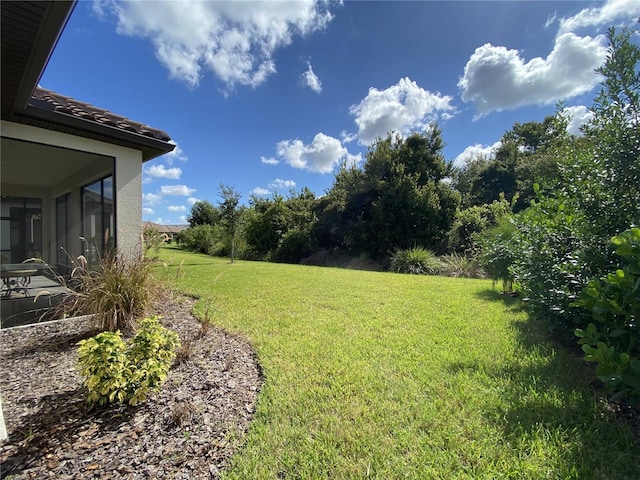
(29, 32)
(36, 165)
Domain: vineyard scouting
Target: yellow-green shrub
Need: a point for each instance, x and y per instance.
(115, 371)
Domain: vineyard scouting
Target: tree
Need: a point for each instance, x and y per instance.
(497, 178)
(398, 199)
(230, 213)
(472, 222)
(280, 229)
(533, 136)
(339, 210)
(203, 213)
(562, 239)
(525, 156)
(266, 223)
(606, 177)
(465, 176)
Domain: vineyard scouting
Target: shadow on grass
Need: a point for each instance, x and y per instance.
(509, 299)
(549, 395)
(176, 266)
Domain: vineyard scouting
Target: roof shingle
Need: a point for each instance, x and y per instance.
(50, 100)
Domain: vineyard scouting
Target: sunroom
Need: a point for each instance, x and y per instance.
(70, 172)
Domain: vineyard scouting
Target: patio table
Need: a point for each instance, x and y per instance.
(16, 278)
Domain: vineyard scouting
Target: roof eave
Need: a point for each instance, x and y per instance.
(50, 31)
(150, 147)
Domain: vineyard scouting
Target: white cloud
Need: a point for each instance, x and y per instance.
(159, 220)
(160, 171)
(551, 20)
(175, 154)
(269, 161)
(151, 199)
(181, 190)
(347, 137)
(609, 13)
(577, 116)
(177, 208)
(182, 220)
(496, 78)
(234, 40)
(311, 80)
(403, 107)
(279, 183)
(148, 211)
(260, 192)
(192, 200)
(320, 156)
(475, 151)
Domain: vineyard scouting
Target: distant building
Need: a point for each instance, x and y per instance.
(170, 230)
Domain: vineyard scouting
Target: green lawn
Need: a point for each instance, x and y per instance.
(381, 375)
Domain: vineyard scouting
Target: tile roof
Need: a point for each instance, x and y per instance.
(173, 229)
(52, 101)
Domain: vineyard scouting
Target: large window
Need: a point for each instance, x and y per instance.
(63, 259)
(98, 220)
(20, 229)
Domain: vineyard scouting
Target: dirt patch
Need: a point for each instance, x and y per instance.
(188, 430)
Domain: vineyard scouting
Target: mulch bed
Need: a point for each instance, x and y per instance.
(189, 430)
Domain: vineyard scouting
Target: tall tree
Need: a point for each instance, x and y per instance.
(525, 156)
(398, 199)
(266, 223)
(562, 240)
(611, 172)
(203, 213)
(339, 210)
(273, 220)
(230, 213)
(465, 176)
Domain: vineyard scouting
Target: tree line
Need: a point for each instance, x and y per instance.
(405, 194)
(538, 214)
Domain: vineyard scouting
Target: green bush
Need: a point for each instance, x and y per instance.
(115, 372)
(499, 253)
(455, 265)
(562, 239)
(553, 259)
(470, 223)
(294, 246)
(416, 260)
(205, 239)
(213, 240)
(613, 342)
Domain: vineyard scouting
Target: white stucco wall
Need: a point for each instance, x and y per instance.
(126, 168)
(128, 187)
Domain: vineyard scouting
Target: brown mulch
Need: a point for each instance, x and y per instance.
(189, 430)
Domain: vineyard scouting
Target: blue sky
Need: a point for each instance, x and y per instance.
(269, 96)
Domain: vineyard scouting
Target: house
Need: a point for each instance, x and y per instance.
(169, 230)
(70, 172)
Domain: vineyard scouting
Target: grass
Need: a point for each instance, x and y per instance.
(381, 375)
